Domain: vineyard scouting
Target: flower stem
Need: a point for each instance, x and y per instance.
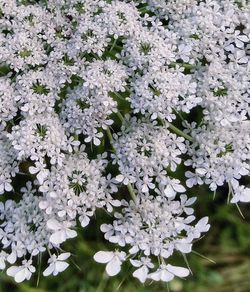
(179, 132)
(131, 191)
(110, 136)
(113, 45)
(176, 130)
(120, 116)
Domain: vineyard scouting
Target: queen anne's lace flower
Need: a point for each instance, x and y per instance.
(112, 259)
(21, 273)
(99, 96)
(143, 151)
(57, 264)
(166, 273)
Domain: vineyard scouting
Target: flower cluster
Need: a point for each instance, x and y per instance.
(98, 97)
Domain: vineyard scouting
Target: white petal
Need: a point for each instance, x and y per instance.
(49, 270)
(202, 225)
(1, 188)
(63, 256)
(119, 178)
(97, 142)
(57, 237)
(113, 267)
(43, 205)
(61, 213)
(2, 264)
(169, 191)
(179, 188)
(178, 271)
(116, 203)
(85, 221)
(155, 276)
(201, 171)
(42, 175)
(141, 274)
(136, 263)
(154, 116)
(190, 201)
(166, 276)
(71, 233)
(61, 266)
(134, 249)
(245, 196)
(33, 170)
(20, 276)
(184, 247)
(103, 257)
(53, 224)
(11, 258)
(11, 271)
(243, 38)
(8, 187)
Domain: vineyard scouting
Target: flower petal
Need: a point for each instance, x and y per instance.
(103, 257)
(113, 267)
(57, 237)
(141, 274)
(11, 271)
(63, 256)
(61, 266)
(53, 224)
(49, 270)
(21, 275)
(178, 271)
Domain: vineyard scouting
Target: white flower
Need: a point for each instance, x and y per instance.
(57, 264)
(5, 185)
(68, 73)
(241, 194)
(3, 258)
(62, 231)
(21, 273)
(240, 39)
(167, 272)
(112, 259)
(40, 171)
(174, 187)
(144, 264)
(184, 52)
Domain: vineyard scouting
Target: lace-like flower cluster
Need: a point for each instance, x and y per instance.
(155, 226)
(99, 97)
(144, 151)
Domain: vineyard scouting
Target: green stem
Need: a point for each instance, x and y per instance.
(204, 257)
(113, 45)
(119, 96)
(109, 135)
(131, 191)
(120, 116)
(178, 131)
(127, 89)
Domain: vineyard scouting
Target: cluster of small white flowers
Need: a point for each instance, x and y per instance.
(8, 165)
(69, 69)
(7, 100)
(88, 107)
(155, 226)
(143, 153)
